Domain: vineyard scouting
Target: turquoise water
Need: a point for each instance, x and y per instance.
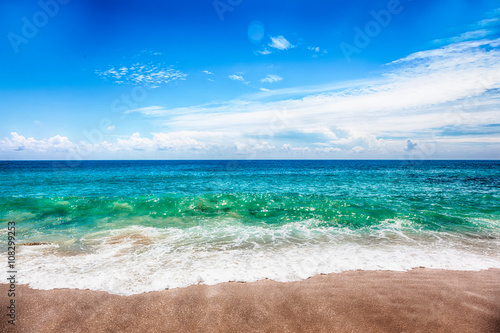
(103, 224)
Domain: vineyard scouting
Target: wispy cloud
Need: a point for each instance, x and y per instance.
(147, 52)
(478, 30)
(145, 70)
(208, 72)
(419, 93)
(153, 110)
(149, 75)
(441, 98)
(264, 52)
(270, 78)
(489, 22)
(235, 77)
(469, 35)
(317, 51)
(280, 43)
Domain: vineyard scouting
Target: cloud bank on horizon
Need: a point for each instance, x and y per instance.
(439, 102)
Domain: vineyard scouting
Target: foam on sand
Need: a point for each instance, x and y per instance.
(135, 260)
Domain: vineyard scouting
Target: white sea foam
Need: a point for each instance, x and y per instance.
(135, 260)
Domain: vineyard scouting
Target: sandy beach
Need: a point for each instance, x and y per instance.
(420, 300)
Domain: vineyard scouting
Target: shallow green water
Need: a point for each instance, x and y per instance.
(339, 214)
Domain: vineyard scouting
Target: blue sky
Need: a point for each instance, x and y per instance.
(241, 79)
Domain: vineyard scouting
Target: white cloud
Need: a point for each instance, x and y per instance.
(149, 110)
(208, 72)
(280, 43)
(295, 150)
(136, 142)
(147, 52)
(18, 142)
(149, 75)
(175, 141)
(316, 51)
(252, 146)
(488, 22)
(235, 77)
(358, 149)
(466, 36)
(325, 131)
(453, 52)
(328, 150)
(270, 78)
(160, 111)
(264, 52)
(417, 96)
(477, 30)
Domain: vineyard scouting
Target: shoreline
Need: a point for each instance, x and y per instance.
(419, 300)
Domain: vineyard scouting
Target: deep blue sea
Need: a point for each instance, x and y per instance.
(135, 226)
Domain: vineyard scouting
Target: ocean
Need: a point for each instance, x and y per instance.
(128, 227)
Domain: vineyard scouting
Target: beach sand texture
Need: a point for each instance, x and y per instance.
(420, 300)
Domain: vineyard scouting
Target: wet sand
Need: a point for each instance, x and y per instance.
(421, 300)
